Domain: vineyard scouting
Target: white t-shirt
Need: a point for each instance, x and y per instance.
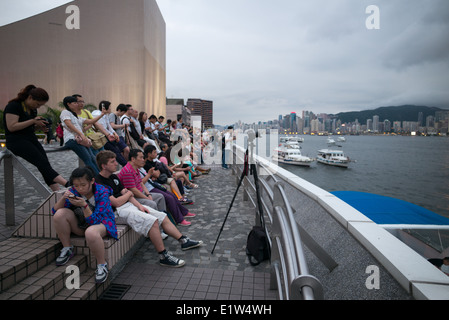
(76, 121)
(125, 120)
(104, 121)
(228, 144)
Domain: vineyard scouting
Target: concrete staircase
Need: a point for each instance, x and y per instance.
(27, 260)
(28, 272)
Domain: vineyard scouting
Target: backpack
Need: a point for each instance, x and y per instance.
(257, 246)
(134, 134)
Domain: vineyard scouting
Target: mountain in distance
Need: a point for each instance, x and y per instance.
(393, 113)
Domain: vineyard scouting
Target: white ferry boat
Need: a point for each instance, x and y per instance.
(291, 139)
(333, 158)
(289, 152)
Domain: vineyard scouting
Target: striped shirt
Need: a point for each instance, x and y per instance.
(130, 178)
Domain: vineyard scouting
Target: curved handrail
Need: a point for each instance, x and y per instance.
(289, 272)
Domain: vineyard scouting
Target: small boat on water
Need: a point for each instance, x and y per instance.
(292, 156)
(289, 152)
(333, 158)
(291, 139)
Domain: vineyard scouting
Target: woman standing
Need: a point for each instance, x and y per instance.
(85, 210)
(74, 137)
(20, 121)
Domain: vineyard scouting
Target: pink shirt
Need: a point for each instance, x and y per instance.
(130, 178)
(164, 160)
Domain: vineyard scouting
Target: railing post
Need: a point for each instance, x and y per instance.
(10, 218)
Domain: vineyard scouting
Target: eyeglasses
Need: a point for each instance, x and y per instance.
(80, 102)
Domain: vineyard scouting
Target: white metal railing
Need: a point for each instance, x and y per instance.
(289, 270)
(11, 162)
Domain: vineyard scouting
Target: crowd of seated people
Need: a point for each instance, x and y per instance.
(133, 173)
(144, 190)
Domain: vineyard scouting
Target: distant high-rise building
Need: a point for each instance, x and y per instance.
(430, 121)
(203, 108)
(397, 126)
(387, 125)
(420, 119)
(293, 126)
(376, 123)
(369, 124)
(176, 109)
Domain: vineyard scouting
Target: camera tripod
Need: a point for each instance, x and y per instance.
(249, 167)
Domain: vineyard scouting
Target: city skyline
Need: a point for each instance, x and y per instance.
(322, 123)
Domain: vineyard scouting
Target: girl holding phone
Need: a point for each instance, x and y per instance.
(85, 210)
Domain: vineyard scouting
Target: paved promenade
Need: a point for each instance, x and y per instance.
(224, 275)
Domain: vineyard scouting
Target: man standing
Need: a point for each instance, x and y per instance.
(227, 147)
(141, 219)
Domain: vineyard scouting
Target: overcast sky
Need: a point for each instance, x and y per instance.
(257, 59)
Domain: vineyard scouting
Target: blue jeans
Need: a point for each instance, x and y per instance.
(225, 158)
(84, 154)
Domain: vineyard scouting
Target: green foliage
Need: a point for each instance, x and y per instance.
(53, 115)
(90, 107)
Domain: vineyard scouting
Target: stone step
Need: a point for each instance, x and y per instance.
(44, 283)
(22, 257)
(89, 290)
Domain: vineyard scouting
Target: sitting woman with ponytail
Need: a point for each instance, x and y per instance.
(85, 210)
(20, 121)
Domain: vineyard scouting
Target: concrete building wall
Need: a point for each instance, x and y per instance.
(117, 54)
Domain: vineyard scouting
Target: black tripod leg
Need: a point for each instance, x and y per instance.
(232, 202)
(259, 201)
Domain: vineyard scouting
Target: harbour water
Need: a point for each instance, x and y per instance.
(410, 168)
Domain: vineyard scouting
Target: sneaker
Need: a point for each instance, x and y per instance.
(186, 201)
(188, 244)
(167, 260)
(190, 215)
(66, 254)
(185, 223)
(164, 235)
(101, 274)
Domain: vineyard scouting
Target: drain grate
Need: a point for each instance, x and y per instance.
(115, 292)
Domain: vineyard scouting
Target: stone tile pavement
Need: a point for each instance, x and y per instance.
(225, 274)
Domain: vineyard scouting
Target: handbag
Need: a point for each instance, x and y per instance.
(98, 140)
(157, 185)
(162, 178)
(80, 218)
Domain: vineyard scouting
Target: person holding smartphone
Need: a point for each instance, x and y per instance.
(85, 210)
(21, 121)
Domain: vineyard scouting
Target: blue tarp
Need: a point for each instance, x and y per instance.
(386, 210)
